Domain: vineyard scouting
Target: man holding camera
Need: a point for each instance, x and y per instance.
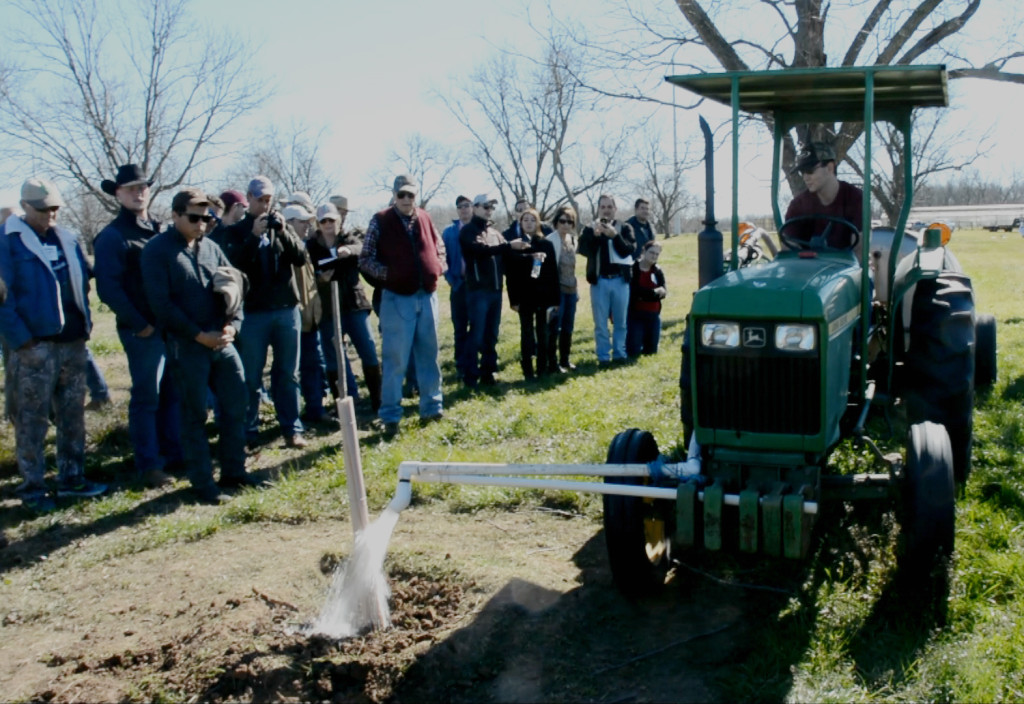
(266, 248)
(608, 246)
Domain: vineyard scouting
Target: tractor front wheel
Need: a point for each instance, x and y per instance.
(635, 533)
(929, 501)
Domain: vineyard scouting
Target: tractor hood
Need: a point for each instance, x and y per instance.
(792, 287)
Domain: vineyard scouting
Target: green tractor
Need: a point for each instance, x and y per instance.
(785, 356)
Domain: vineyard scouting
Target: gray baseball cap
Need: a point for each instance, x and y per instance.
(41, 194)
(405, 182)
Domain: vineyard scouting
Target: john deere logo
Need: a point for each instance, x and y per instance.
(753, 337)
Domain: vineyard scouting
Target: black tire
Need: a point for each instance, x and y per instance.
(984, 351)
(638, 557)
(929, 501)
(939, 366)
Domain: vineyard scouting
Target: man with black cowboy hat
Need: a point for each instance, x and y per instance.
(153, 413)
(825, 195)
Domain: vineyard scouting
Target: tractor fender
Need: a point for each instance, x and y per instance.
(923, 263)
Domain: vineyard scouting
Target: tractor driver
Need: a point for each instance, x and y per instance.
(825, 195)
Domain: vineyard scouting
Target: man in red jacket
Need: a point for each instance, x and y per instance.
(404, 255)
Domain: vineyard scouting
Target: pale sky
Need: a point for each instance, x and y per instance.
(366, 70)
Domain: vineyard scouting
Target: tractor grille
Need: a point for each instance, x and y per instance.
(759, 394)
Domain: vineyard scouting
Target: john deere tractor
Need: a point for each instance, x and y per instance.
(786, 357)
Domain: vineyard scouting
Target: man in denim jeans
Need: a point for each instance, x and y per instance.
(404, 254)
(45, 323)
(153, 413)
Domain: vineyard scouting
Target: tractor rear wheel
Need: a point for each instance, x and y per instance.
(985, 351)
(635, 533)
(929, 501)
(939, 366)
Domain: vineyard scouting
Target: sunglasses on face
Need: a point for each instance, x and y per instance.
(327, 220)
(404, 195)
(487, 207)
(51, 209)
(810, 169)
(193, 218)
(460, 206)
(563, 221)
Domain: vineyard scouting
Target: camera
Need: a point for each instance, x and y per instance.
(274, 221)
(604, 221)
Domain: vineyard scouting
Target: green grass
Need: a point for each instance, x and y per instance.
(840, 638)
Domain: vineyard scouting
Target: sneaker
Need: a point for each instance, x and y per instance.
(296, 441)
(80, 487)
(39, 503)
(210, 494)
(156, 478)
(240, 481)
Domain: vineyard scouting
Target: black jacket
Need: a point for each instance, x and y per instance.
(525, 291)
(118, 269)
(267, 263)
(483, 249)
(595, 248)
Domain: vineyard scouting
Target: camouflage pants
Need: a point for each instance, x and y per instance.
(48, 376)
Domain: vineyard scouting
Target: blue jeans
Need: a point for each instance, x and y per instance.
(460, 321)
(644, 332)
(567, 313)
(196, 369)
(610, 297)
(154, 415)
(280, 330)
(408, 326)
(94, 381)
(484, 322)
(355, 324)
(312, 373)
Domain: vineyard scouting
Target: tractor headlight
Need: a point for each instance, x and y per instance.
(720, 335)
(795, 338)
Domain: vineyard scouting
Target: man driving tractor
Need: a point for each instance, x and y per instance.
(825, 195)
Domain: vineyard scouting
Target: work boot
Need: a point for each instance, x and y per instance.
(373, 382)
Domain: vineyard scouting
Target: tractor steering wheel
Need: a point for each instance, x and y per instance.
(818, 241)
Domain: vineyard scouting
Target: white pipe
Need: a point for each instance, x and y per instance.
(404, 492)
(409, 470)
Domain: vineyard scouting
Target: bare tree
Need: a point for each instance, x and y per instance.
(528, 119)
(662, 180)
(431, 162)
(778, 34)
(932, 153)
(101, 84)
(290, 157)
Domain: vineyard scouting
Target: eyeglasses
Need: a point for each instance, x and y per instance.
(51, 209)
(489, 206)
(326, 220)
(563, 221)
(193, 218)
(405, 194)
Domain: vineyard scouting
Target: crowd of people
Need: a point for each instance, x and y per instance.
(200, 302)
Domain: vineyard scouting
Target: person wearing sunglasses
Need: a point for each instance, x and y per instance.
(45, 322)
(153, 413)
(484, 249)
(335, 255)
(825, 194)
(403, 255)
(564, 241)
(179, 270)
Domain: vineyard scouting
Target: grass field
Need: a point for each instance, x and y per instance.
(841, 638)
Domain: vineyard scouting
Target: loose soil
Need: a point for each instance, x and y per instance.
(487, 607)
